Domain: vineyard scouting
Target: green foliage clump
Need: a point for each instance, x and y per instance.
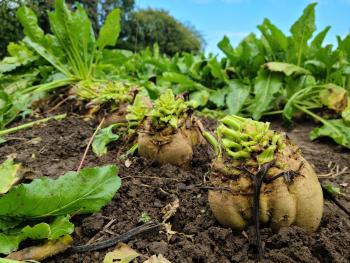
(146, 27)
(138, 111)
(10, 28)
(40, 210)
(243, 138)
(99, 92)
(167, 110)
(97, 11)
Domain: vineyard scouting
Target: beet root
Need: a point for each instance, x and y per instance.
(173, 148)
(292, 199)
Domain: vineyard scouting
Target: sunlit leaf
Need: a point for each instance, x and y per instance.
(338, 130)
(81, 192)
(286, 68)
(10, 241)
(266, 86)
(102, 139)
(8, 175)
(122, 254)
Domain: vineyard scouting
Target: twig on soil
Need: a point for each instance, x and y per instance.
(31, 124)
(94, 238)
(109, 232)
(89, 143)
(152, 225)
(58, 105)
(334, 171)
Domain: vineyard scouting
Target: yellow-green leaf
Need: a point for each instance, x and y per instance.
(122, 254)
(8, 175)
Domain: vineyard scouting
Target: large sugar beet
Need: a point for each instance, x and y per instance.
(290, 193)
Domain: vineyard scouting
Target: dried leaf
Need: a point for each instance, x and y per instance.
(169, 233)
(121, 254)
(128, 163)
(50, 248)
(157, 259)
(334, 97)
(170, 209)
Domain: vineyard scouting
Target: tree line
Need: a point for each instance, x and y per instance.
(140, 28)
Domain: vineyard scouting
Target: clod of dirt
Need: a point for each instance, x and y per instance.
(92, 224)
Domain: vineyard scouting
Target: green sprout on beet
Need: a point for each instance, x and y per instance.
(167, 110)
(242, 138)
(138, 111)
(103, 91)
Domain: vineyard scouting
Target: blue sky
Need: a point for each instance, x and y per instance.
(237, 18)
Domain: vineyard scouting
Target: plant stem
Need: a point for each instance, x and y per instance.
(315, 116)
(49, 86)
(31, 124)
(273, 112)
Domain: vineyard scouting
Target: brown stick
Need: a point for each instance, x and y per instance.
(89, 143)
(58, 105)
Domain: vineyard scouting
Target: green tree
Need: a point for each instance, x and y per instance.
(145, 27)
(10, 28)
(99, 9)
(139, 29)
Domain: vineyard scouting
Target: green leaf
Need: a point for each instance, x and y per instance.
(274, 36)
(333, 190)
(226, 47)
(20, 55)
(199, 98)
(319, 38)
(102, 139)
(5, 260)
(346, 113)
(10, 241)
(109, 32)
(75, 192)
(8, 175)
(336, 129)
(216, 70)
(75, 37)
(218, 97)
(36, 39)
(48, 55)
(237, 96)
(29, 21)
(184, 81)
(267, 85)
(144, 218)
(302, 31)
(167, 110)
(286, 68)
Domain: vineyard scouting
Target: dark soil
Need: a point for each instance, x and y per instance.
(57, 147)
